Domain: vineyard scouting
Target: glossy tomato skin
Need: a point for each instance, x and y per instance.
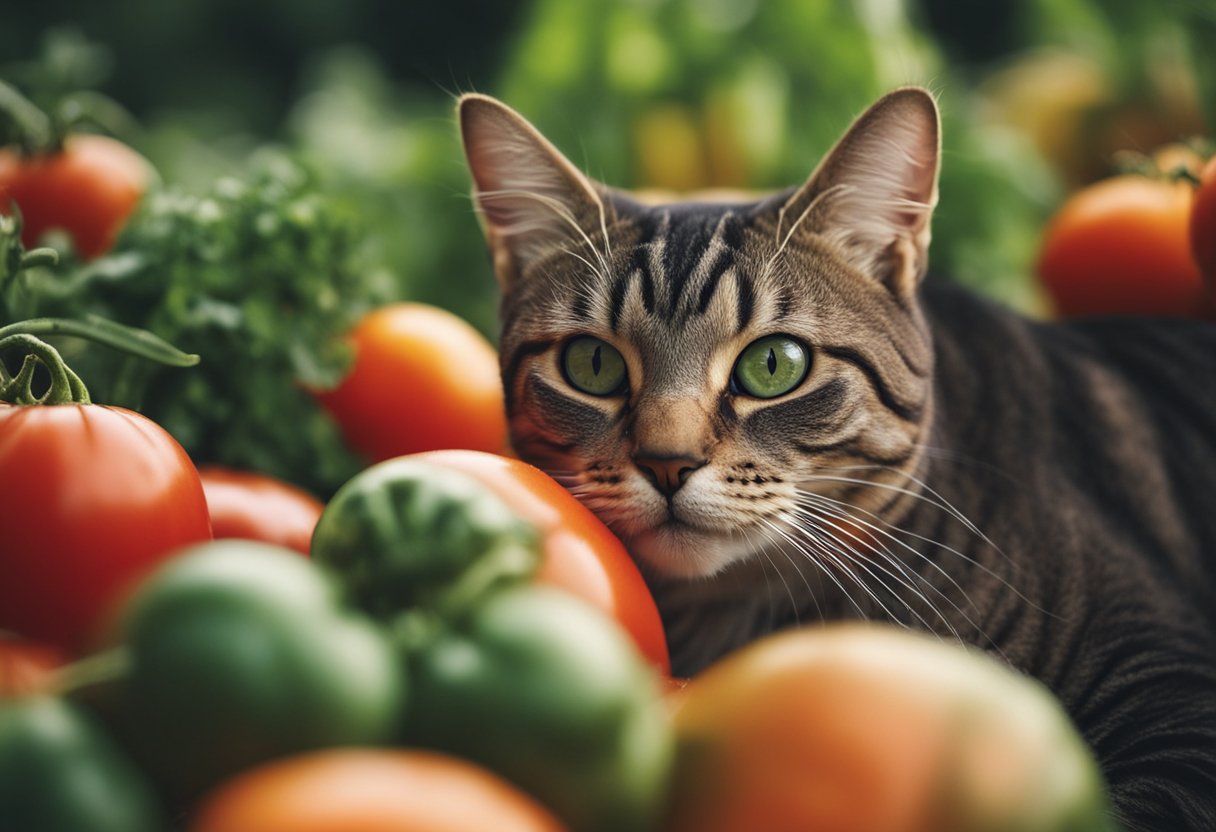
(252, 506)
(89, 188)
(1120, 246)
(423, 379)
(91, 498)
(581, 555)
(1203, 229)
(368, 790)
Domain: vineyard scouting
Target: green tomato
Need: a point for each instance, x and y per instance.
(593, 366)
(60, 773)
(239, 653)
(771, 366)
(544, 690)
(407, 533)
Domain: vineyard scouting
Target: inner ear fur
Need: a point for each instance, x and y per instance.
(532, 198)
(872, 196)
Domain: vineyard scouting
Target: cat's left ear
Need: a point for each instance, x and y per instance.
(873, 195)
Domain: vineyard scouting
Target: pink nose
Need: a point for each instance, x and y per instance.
(667, 473)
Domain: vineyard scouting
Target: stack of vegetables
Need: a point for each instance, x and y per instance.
(447, 640)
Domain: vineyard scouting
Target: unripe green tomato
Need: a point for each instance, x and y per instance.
(239, 653)
(546, 691)
(408, 533)
(61, 773)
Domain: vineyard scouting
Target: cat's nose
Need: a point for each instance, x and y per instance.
(667, 473)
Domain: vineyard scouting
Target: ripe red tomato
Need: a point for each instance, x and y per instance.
(253, 506)
(1203, 227)
(91, 498)
(423, 380)
(25, 666)
(89, 188)
(368, 790)
(581, 555)
(1120, 247)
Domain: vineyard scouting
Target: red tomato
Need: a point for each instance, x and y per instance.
(423, 380)
(25, 667)
(1203, 227)
(91, 498)
(1120, 247)
(254, 506)
(581, 555)
(862, 728)
(366, 790)
(88, 189)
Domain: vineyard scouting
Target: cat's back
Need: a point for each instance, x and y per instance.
(1102, 427)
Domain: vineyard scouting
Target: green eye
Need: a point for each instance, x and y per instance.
(593, 366)
(771, 366)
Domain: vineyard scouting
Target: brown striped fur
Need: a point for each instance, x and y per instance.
(1042, 491)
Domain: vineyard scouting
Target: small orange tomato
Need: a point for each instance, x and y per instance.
(252, 506)
(1120, 246)
(88, 189)
(581, 555)
(370, 790)
(423, 379)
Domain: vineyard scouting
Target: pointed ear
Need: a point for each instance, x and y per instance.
(532, 198)
(872, 196)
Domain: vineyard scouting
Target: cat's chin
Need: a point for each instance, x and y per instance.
(681, 551)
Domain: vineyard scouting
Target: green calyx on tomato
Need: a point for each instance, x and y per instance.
(546, 691)
(406, 533)
(240, 652)
(60, 773)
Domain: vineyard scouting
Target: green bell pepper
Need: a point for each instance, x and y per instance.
(407, 533)
(60, 773)
(541, 688)
(240, 652)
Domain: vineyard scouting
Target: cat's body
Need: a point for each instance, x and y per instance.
(785, 426)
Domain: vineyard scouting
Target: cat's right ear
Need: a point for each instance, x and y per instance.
(532, 198)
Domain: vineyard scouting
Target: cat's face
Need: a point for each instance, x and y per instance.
(708, 377)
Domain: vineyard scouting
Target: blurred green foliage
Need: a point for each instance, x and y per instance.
(357, 95)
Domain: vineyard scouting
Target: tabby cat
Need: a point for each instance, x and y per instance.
(786, 423)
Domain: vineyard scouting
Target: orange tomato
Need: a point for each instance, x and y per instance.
(88, 188)
(581, 555)
(423, 379)
(25, 666)
(368, 790)
(252, 506)
(1120, 246)
(858, 728)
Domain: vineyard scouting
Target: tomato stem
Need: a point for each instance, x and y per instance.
(39, 257)
(66, 387)
(98, 668)
(24, 124)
